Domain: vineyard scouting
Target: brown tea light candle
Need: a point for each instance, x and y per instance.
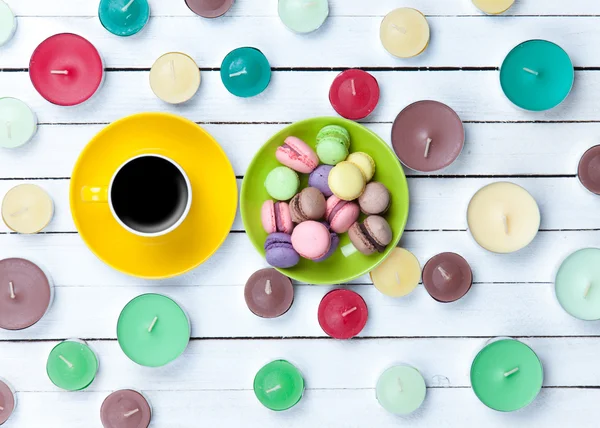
(268, 293)
(125, 409)
(447, 277)
(588, 171)
(8, 401)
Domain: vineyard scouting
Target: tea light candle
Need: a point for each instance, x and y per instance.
(25, 293)
(588, 171)
(125, 409)
(401, 389)
(503, 217)
(8, 401)
(245, 72)
(124, 17)
(342, 314)
(175, 78)
(27, 208)
(427, 136)
(354, 94)
(447, 277)
(66, 69)
(398, 275)
(8, 23)
(19, 123)
(493, 7)
(279, 385)
(577, 284)
(404, 32)
(72, 365)
(537, 75)
(506, 375)
(209, 8)
(303, 16)
(153, 330)
(268, 293)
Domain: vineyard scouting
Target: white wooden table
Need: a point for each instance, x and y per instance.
(211, 384)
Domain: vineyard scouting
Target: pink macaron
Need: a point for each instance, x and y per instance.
(311, 240)
(297, 155)
(276, 217)
(341, 214)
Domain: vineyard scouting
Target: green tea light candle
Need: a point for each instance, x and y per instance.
(245, 72)
(537, 75)
(153, 330)
(506, 375)
(72, 365)
(18, 124)
(401, 389)
(577, 284)
(124, 17)
(279, 385)
(303, 16)
(8, 23)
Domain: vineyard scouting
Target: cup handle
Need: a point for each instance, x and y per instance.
(94, 194)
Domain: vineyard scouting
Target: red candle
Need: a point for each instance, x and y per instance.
(342, 314)
(66, 69)
(354, 94)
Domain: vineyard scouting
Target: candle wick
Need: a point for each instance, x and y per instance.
(427, 146)
(19, 212)
(398, 278)
(400, 384)
(275, 388)
(172, 66)
(444, 273)
(9, 130)
(268, 288)
(511, 372)
(67, 362)
(131, 413)
(1, 409)
(505, 223)
(152, 325)
(349, 311)
(238, 73)
(309, 3)
(399, 29)
(63, 72)
(530, 71)
(11, 286)
(124, 8)
(353, 87)
(587, 290)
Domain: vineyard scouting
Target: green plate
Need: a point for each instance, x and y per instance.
(337, 269)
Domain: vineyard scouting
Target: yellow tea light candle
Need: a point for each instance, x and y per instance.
(503, 217)
(175, 78)
(398, 275)
(27, 208)
(493, 7)
(404, 32)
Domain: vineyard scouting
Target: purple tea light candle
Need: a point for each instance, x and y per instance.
(8, 401)
(126, 408)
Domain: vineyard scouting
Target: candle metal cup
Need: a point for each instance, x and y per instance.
(394, 405)
(6, 416)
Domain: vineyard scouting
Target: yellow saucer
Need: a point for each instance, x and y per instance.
(214, 195)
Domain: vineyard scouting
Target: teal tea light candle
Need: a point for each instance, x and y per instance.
(577, 284)
(124, 17)
(537, 75)
(8, 23)
(279, 385)
(506, 375)
(18, 124)
(303, 16)
(72, 365)
(401, 389)
(245, 72)
(153, 330)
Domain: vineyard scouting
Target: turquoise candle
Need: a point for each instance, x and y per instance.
(401, 389)
(72, 365)
(18, 124)
(279, 385)
(537, 75)
(245, 72)
(153, 330)
(506, 375)
(124, 17)
(303, 16)
(577, 284)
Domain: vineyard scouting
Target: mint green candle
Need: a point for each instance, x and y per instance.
(303, 16)
(537, 75)
(72, 365)
(279, 385)
(401, 389)
(153, 330)
(506, 375)
(124, 17)
(245, 72)
(577, 284)
(18, 124)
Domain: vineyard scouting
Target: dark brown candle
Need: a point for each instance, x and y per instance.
(209, 8)
(7, 401)
(268, 293)
(125, 409)
(447, 277)
(589, 170)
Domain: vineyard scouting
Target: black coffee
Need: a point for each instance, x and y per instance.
(149, 194)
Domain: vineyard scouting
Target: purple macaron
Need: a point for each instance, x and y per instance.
(279, 251)
(335, 242)
(319, 179)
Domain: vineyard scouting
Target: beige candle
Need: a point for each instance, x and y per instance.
(27, 208)
(493, 7)
(398, 275)
(404, 32)
(175, 78)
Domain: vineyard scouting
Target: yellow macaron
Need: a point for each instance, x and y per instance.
(364, 162)
(346, 181)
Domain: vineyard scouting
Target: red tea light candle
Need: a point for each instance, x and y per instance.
(588, 171)
(125, 409)
(8, 401)
(354, 94)
(447, 277)
(66, 69)
(342, 314)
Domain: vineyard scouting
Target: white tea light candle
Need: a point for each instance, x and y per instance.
(18, 124)
(8, 23)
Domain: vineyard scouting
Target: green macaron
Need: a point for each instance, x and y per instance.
(333, 143)
(282, 183)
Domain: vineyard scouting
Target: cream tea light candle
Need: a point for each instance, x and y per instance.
(493, 7)
(398, 275)
(18, 124)
(27, 208)
(8, 23)
(577, 284)
(175, 78)
(404, 32)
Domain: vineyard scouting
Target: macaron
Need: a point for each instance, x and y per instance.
(276, 217)
(346, 181)
(364, 162)
(311, 240)
(341, 214)
(333, 143)
(318, 178)
(373, 234)
(334, 244)
(309, 204)
(282, 183)
(375, 199)
(297, 155)
(279, 251)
